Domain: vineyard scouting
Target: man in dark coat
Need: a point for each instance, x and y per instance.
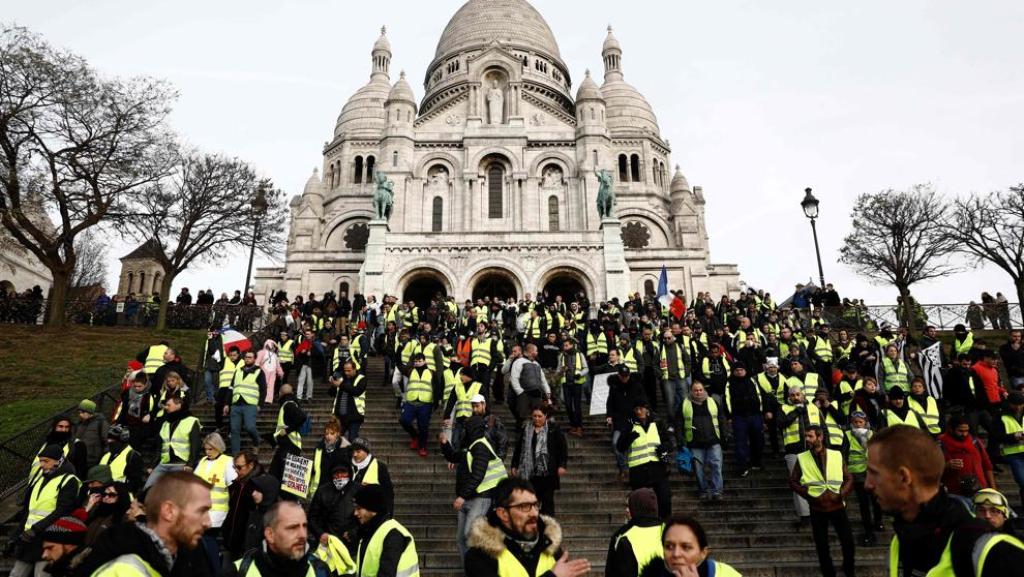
(624, 390)
(332, 507)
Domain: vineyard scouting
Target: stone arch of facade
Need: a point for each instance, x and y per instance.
(448, 160)
(567, 165)
(579, 272)
(649, 217)
(495, 152)
(641, 283)
(338, 223)
(423, 267)
(502, 266)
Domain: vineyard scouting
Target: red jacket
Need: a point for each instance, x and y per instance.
(976, 462)
(989, 377)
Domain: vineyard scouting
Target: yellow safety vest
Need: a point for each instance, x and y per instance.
(597, 346)
(369, 562)
(817, 482)
(1012, 425)
(451, 381)
(705, 367)
(407, 350)
(835, 430)
(463, 394)
(43, 496)
(336, 556)
(912, 420)
(809, 385)
(480, 352)
(964, 346)
(944, 568)
(154, 359)
(35, 463)
(117, 464)
(495, 467)
(294, 437)
(338, 360)
(894, 376)
(372, 475)
(420, 388)
(680, 362)
(844, 352)
(929, 413)
(178, 440)
(481, 313)
(285, 354)
(228, 372)
(509, 566)
(245, 386)
(360, 400)
(580, 363)
(215, 473)
(645, 447)
(428, 354)
(844, 387)
(857, 462)
(629, 359)
(779, 391)
(533, 328)
(688, 418)
(792, 433)
(823, 348)
(645, 543)
(253, 571)
(126, 566)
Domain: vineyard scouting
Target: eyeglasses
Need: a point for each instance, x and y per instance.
(525, 507)
(110, 494)
(239, 467)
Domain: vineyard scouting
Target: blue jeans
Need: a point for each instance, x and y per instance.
(748, 432)
(243, 416)
(573, 402)
(675, 393)
(211, 379)
(471, 510)
(620, 458)
(421, 413)
(711, 456)
(1016, 463)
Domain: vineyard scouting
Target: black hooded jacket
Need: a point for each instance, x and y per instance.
(466, 479)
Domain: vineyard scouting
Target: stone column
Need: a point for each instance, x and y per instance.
(371, 274)
(616, 270)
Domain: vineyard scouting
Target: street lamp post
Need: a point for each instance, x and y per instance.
(259, 208)
(810, 206)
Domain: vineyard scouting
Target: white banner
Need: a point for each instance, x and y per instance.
(599, 395)
(297, 475)
(931, 363)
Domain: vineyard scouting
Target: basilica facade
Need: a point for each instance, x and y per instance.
(494, 179)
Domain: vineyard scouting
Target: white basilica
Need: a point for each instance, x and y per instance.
(494, 179)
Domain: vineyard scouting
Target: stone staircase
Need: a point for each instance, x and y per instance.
(751, 529)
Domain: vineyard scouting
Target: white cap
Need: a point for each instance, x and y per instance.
(772, 362)
(478, 399)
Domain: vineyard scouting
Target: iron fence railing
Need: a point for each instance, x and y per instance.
(19, 451)
(27, 310)
(941, 316)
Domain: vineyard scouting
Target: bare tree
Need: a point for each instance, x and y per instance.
(90, 260)
(898, 239)
(77, 145)
(204, 211)
(991, 228)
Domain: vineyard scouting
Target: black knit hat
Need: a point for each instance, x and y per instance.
(371, 498)
(68, 530)
(52, 451)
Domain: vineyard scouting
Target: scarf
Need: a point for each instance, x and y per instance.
(363, 465)
(135, 401)
(534, 463)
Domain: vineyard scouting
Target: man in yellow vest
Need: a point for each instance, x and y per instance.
(384, 546)
(283, 549)
(218, 470)
(222, 398)
(367, 470)
(496, 541)
(125, 463)
(52, 494)
(1009, 430)
(638, 542)
(643, 443)
(459, 406)
(248, 389)
(287, 439)
(934, 533)
(822, 478)
(181, 441)
(797, 415)
(155, 356)
(898, 413)
(418, 403)
(478, 471)
(857, 462)
(286, 354)
(177, 511)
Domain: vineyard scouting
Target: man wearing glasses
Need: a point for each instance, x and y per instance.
(516, 526)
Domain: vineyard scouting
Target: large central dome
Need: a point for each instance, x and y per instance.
(513, 22)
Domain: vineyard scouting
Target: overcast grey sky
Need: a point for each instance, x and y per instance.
(758, 99)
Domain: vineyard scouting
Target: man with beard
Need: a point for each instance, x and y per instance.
(515, 540)
(52, 493)
(63, 546)
(285, 552)
(177, 515)
(385, 546)
(72, 450)
(935, 534)
(126, 465)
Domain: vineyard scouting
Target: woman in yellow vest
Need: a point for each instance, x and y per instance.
(686, 552)
(899, 413)
(218, 470)
(894, 370)
(926, 407)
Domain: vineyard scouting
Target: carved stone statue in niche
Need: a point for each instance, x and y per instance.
(495, 103)
(437, 179)
(552, 177)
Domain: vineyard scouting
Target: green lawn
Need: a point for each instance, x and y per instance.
(45, 370)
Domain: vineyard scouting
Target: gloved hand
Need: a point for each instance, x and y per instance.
(28, 536)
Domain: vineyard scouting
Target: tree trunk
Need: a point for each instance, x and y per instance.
(58, 299)
(165, 297)
(1018, 283)
(905, 312)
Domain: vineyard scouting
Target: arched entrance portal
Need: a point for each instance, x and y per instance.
(564, 285)
(495, 284)
(422, 289)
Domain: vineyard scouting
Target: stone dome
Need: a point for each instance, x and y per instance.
(402, 92)
(314, 186)
(512, 22)
(588, 89)
(679, 182)
(382, 43)
(611, 42)
(363, 115)
(627, 111)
